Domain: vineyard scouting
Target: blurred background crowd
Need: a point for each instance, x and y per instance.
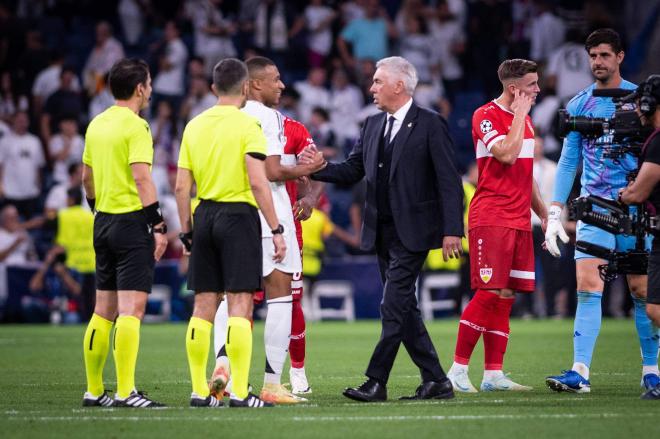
(55, 56)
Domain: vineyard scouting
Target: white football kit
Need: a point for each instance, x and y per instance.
(272, 124)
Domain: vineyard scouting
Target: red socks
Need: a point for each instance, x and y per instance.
(474, 321)
(297, 343)
(496, 336)
(486, 314)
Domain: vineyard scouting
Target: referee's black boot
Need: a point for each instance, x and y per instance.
(370, 391)
(433, 390)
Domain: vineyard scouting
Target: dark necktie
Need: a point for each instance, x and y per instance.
(390, 124)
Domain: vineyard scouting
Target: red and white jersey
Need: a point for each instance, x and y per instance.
(297, 139)
(504, 192)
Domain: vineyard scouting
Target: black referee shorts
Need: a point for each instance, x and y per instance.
(653, 288)
(226, 251)
(124, 252)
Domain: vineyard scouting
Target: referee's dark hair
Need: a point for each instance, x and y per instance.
(125, 75)
(229, 75)
(604, 36)
(257, 63)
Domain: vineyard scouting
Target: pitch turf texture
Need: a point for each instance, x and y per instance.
(42, 382)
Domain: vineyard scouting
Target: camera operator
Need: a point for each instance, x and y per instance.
(602, 177)
(646, 186)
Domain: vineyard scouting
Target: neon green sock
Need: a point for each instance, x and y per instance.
(198, 339)
(95, 351)
(125, 350)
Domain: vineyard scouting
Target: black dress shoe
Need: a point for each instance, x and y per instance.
(370, 391)
(433, 390)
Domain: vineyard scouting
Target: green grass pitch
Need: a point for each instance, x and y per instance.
(42, 382)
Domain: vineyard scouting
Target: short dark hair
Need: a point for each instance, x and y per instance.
(229, 75)
(75, 194)
(320, 111)
(73, 167)
(604, 36)
(125, 75)
(257, 64)
(515, 69)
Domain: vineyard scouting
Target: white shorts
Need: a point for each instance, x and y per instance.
(291, 262)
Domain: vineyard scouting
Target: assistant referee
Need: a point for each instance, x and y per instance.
(129, 232)
(223, 152)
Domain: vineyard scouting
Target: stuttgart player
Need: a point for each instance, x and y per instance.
(500, 233)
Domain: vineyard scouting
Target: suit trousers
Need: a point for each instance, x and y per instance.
(400, 316)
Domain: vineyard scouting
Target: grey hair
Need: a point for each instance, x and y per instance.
(402, 69)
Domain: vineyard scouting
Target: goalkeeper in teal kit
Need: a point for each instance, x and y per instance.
(602, 177)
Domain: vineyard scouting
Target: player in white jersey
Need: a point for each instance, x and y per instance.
(265, 90)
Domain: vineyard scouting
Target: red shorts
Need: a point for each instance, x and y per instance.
(501, 258)
(296, 289)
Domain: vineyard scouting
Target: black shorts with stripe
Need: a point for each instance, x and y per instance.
(124, 249)
(226, 251)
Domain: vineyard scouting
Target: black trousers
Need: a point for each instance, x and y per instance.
(400, 316)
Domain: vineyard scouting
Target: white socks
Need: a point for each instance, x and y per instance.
(582, 369)
(277, 333)
(220, 332)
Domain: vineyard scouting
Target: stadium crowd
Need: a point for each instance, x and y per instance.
(55, 56)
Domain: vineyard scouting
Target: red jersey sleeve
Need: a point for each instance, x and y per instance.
(297, 137)
(487, 127)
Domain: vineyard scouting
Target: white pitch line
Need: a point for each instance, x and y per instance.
(334, 418)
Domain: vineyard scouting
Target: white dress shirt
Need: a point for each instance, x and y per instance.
(399, 115)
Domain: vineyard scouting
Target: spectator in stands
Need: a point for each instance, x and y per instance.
(56, 199)
(416, 46)
(409, 9)
(102, 100)
(15, 244)
(318, 21)
(169, 82)
(313, 93)
(21, 160)
(213, 34)
(106, 52)
(321, 131)
(547, 32)
(65, 148)
(164, 129)
(72, 256)
(568, 69)
(131, 18)
(65, 103)
(11, 100)
(448, 42)
(367, 36)
(48, 81)
(34, 58)
(198, 99)
(345, 102)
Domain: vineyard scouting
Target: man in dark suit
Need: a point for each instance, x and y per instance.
(414, 203)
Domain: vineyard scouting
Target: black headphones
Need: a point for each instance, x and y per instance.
(649, 96)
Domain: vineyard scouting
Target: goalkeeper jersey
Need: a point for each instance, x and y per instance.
(600, 176)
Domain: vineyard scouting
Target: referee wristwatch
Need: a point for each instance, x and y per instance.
(278, 230)
(162, 229)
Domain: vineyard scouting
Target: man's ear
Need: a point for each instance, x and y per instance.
(214, 90)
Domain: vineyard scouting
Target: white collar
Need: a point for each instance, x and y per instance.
(400, 114)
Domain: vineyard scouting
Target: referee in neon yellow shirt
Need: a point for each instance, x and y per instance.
(129, 232)
(223, 152)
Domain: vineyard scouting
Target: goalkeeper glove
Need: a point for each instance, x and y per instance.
(554, 230)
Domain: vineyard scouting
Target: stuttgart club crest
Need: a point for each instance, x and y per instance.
(486, 274)
(485, 126)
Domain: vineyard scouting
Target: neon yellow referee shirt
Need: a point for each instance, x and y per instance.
(213, 148)
(116, 139)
